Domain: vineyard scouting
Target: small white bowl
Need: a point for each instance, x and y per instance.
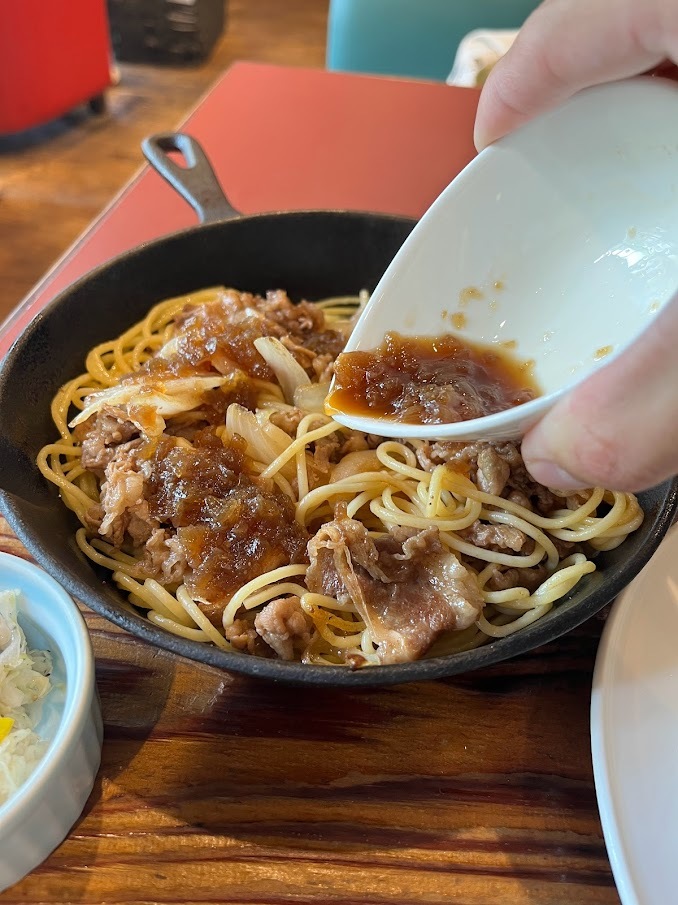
(561, 238)
(39, 815)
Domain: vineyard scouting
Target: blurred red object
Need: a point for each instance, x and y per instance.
(53, 56)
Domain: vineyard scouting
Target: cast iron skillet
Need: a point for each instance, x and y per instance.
(312, 255)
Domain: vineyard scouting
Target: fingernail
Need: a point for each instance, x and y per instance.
(553, 476)
(479, 140)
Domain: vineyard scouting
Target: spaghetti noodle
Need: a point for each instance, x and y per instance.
(232, 510)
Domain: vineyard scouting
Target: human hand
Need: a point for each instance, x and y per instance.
(619, 427)
(567, 45)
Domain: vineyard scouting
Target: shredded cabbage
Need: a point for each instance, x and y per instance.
(24, 680)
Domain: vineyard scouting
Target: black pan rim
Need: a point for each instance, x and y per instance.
(95, 594)
(138, 250)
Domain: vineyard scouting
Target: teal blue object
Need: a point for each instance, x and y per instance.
(416, 38)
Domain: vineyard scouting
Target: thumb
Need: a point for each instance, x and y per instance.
(619, 428)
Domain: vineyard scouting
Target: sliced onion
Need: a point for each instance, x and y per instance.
(265, 441)
(311, 398)
(164, 397)
(170, 348)
(284, 365)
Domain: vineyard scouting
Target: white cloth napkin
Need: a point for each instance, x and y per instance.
(477, 54)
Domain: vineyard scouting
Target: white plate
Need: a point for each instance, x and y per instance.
(634, 733)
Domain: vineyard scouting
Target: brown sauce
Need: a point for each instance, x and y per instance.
(431, 380)
(470, 294)
(220, 337)
(231, 526)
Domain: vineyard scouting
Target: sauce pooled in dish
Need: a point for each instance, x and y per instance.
(430, 380)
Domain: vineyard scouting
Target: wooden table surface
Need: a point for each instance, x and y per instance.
(214, 788)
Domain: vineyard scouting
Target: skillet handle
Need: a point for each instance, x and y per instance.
(196, 182)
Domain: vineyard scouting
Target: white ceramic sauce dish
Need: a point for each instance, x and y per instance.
(561, 238)
(39, 815)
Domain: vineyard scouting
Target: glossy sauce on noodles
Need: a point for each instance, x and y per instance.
(231, 525)
(430, 380)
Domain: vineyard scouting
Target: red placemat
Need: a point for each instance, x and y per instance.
(284, 139)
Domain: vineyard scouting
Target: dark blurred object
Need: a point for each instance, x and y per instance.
(165, 31)
(53, 57)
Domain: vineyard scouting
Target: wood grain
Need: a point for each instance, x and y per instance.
(215, 788)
